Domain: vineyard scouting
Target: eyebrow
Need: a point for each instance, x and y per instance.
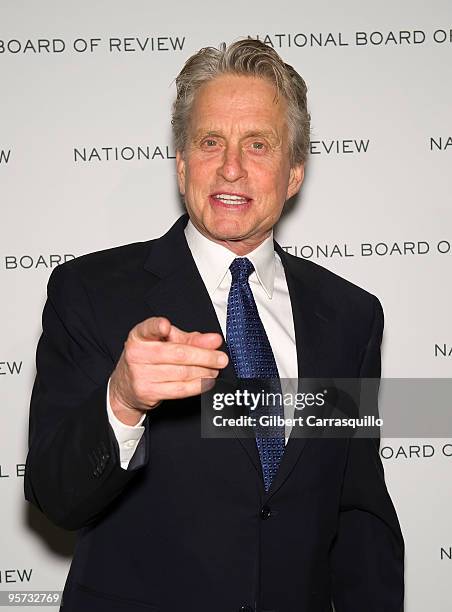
(269, 134)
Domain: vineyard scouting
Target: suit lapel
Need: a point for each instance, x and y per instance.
(312, 318)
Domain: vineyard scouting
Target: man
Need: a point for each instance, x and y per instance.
(169, 520)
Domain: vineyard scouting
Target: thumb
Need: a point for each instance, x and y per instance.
(154, 328)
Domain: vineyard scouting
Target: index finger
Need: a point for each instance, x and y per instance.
(211, 340)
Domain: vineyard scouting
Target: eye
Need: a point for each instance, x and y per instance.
(257, 146)
(209, 143)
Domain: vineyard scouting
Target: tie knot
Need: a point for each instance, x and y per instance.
(241, 268)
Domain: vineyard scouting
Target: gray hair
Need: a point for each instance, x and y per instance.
(250, 57)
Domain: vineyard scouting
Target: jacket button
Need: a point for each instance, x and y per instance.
(265, 513)
(246, 608)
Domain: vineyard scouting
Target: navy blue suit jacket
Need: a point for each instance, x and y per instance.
(189, 525)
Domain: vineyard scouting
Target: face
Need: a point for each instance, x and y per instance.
(235, 173)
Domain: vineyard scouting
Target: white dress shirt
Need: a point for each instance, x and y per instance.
(269, 287)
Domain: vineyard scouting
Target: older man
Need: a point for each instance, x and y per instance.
(169, 520)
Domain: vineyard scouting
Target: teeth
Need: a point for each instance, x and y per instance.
(226, 197)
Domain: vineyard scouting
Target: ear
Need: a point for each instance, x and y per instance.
(296, 177)
(180, 169)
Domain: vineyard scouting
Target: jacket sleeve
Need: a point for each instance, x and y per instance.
(367, 558)
(73, 470)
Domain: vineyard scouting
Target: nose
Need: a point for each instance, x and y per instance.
(232, 168)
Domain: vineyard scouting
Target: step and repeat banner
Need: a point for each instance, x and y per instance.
(87, 162)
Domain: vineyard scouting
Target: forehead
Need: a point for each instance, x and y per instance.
(238, 100)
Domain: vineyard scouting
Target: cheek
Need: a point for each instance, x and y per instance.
(272, 182)
(198, 177)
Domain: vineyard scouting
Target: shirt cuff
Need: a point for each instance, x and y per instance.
(128, 436)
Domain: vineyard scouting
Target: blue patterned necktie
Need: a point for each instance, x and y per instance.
(252, 357)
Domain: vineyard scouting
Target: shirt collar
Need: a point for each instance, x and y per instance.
(213, 260)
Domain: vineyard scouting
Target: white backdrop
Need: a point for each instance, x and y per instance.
(86, 162)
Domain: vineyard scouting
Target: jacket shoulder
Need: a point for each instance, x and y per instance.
(101, 268)
(111, 259)
(336, 291)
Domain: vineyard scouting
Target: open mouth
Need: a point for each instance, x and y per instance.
(229, 200)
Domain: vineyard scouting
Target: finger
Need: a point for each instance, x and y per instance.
(180, 390)
(210, 340)
(176, 354)
(204, 340)
(176, 373)
(154, 328)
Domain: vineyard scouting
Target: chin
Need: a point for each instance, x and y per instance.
(227, 231)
